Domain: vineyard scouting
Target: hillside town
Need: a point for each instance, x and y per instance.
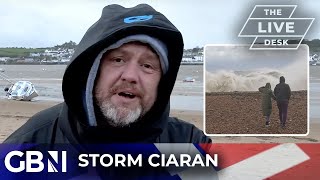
(61, 54)
(54, 56)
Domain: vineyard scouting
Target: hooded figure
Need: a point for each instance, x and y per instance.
(282, 92)
(266, 101)
(81, 118)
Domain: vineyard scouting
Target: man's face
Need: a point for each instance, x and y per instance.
(127, 83)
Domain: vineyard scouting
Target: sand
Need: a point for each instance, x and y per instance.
(13, 114)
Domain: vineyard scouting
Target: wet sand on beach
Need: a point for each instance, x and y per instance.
(14, 114)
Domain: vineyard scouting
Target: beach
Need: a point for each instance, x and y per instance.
(14, 114)
(241, 113)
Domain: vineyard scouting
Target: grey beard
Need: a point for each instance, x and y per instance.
(119, 116)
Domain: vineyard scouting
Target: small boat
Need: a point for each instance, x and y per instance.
(189, 79)
(21, 91)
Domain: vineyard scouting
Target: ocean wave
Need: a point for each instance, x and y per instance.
(230, 81)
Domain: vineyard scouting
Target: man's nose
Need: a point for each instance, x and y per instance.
(130, 73)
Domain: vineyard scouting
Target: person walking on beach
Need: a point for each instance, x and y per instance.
(117, 85)
(282, 92)
(267, 94)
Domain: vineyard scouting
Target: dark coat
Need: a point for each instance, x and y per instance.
(266, 100)
(282, 91)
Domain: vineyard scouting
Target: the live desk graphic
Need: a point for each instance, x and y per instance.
(274, 27)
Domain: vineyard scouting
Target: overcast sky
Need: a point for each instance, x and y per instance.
(241, 58)
(43, 23)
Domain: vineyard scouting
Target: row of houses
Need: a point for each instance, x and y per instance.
(59, 53)
(55, 55)
(192, 56)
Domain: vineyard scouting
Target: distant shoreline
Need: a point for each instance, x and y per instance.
(191, 63)
(35, 63)
(65, 63)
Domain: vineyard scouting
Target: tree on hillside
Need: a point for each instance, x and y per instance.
(314, 45)
(67, 45)
(195, 50)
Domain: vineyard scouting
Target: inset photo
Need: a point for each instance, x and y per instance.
(255, 92)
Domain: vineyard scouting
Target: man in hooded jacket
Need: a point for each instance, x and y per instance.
(282, 92)
(84, 116)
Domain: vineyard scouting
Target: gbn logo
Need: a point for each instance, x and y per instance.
(34, 161)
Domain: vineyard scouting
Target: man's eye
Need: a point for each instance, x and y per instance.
(118, 60)
(150, 68)
(147, 66)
